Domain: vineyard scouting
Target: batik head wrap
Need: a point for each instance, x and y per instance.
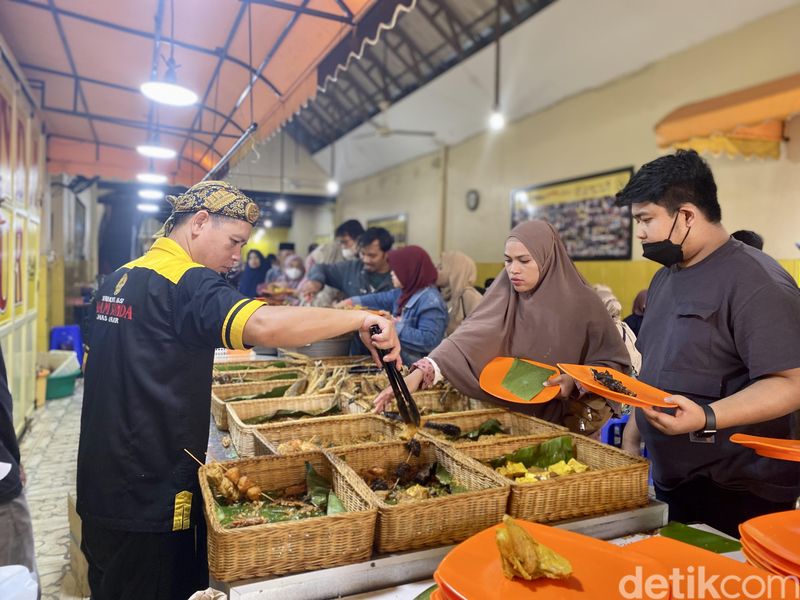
(217, 197)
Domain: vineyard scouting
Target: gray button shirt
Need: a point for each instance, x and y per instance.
(351, 278)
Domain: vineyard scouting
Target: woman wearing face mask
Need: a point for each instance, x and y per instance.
(289, 279)
(540, 308)
(415, 302)
(457, 274)
(255, 270)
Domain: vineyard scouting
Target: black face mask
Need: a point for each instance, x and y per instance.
(666, 252)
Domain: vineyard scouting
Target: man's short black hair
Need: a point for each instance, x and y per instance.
(751, 238)
(379, 234)
(289, 246)
(183, 217)
(351, 228)
(672, 180)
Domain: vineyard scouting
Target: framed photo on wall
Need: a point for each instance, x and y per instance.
(583, 212)
(397, 225)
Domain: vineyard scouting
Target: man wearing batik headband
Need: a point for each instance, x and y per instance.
(147, 392)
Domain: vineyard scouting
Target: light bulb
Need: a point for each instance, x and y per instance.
(151, 194)
(154, 151)
(332, 186)
(151, 208)
(168, 93)
(267, 223)
(281, 206)
(496, 121)
(152, 178)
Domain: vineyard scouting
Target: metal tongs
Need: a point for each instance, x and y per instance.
(406, 405)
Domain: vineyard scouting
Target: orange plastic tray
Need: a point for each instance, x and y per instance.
(777, 532)
(492, 376)
(647, 396)
(769, 447)
(768, 560)
(473, 569)
(689, 559)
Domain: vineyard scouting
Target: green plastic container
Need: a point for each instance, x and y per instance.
(61, 386)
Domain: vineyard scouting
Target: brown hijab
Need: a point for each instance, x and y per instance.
(560, 320)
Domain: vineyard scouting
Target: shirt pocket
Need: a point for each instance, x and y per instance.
(690, 336)
(691, 383)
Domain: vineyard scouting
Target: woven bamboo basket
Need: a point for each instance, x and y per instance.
(330, 361)
(616, 481)
(248, 375)
(515, 424)
(431, 522)
(443, 400)
(221, 393)
(238, 412)
(254, 365)
(331, 432)
(290, 546)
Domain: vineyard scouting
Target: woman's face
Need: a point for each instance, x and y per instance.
(395, 281)
(521, 268)
(253, 261)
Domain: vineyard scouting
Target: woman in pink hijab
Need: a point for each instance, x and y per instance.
(540, 308)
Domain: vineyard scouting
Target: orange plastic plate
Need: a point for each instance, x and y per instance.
(689, 559)
(473, 568)
(492, 376)
(767, 559)
(777, 532)
(769, 447)
(647, 396)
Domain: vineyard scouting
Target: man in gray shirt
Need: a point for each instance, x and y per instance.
(367, 274)
(722, 334)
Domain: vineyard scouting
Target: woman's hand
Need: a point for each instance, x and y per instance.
(346, 303)
(565, 382)
(413, 382)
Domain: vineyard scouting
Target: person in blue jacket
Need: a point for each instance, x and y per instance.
(419, 311)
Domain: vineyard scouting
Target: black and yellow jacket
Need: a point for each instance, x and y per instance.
(147, 389)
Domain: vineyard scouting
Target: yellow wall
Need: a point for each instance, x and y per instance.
(265, 240)
(599, 130)
(20, 258)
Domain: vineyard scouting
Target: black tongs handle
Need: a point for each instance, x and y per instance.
(406, 405)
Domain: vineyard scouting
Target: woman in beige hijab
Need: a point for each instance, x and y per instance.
(539, 307)
(457, 273)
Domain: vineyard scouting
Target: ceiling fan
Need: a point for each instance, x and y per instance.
(383, 129)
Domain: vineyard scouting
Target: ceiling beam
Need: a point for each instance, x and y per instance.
(108, 84)
(302, 10)
(147, 35)
(143, 125)
(68, 53)
(270, 53)
(73, 138)
(198, 118)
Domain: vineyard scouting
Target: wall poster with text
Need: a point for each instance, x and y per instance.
(21, 161)
(33, 263)
(19, 267)
(6, 218)
(5, 145)
(584, 213)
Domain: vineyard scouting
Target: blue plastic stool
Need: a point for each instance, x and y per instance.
(611, 432)
(67, 337)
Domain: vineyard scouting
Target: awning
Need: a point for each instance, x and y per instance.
(747, 122)
(87, 76)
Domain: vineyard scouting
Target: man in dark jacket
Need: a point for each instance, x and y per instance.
(16, 531)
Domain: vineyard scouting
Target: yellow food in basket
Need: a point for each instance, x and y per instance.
(518, 472)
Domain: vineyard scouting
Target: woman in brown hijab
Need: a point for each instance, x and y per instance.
(540, 308)
(457, 273)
